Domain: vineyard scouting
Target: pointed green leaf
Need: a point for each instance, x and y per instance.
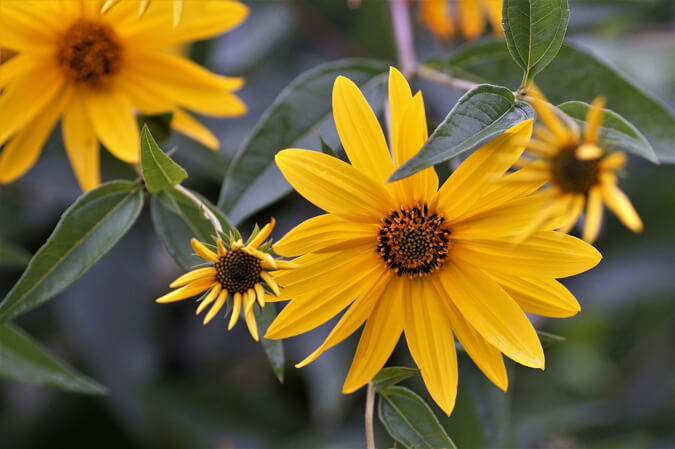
(253, 180)
(325, 148)
(12, 255)
(83, 235)
(24, 360)
(159, 171)
(616, 131)
(274, 349)
(392, 375)
(574, 74)
(534, 31)
(480, 115)
(547, 339)
(410, 421)
(177, 220)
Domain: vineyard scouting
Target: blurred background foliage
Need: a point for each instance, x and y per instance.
(174, 383)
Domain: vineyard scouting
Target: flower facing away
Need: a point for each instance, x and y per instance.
(96, 71)
(578, 170)
(437, 17)
(178, 6)
(240, 271)
(405, 257)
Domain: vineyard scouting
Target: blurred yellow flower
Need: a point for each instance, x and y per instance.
(437, 17)
(178, 6)
(407, 257)
(240, 271)
(578, 170)
(96, 71)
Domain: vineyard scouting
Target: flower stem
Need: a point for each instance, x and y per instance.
(403, 34)
(444, 78)
(203, 207)
(370, 406)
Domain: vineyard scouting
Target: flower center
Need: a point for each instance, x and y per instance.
(90, 52)
(572, 174)
(413, 242)
(238, 272)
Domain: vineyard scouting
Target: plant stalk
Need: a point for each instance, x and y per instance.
(370, 407)
(443, 78)
(204, 208)
(400, 18)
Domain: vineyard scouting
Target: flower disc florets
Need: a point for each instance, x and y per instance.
(238, 272)
(413, 242)
(573, 174)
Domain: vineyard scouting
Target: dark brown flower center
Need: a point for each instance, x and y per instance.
(571, 174)
(238, 272)
(90, 52)
(413, 242)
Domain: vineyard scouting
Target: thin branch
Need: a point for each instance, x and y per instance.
(400, 18)
(443, 78)
(203, 207)
(370, 406)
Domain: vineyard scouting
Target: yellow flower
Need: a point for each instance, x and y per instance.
(95, 72)
(407, 257)
(240, 271)
(578, 170)
(437, 17)
(143, 6)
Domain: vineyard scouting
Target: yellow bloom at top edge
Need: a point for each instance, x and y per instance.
(580, 173)
(436, 15)
(96, 72)
(409, 258)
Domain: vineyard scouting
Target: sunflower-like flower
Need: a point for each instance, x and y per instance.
(96, 71)
(578, 170)
(143, 5)
(437, 17)
(405, 257)
(236, 269)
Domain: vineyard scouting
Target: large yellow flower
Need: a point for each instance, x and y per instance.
(96, 71)
(411, 259)
(437, 17)
(143, 5)
(578, 170)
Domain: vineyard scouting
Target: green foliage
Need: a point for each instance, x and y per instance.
(409, 420)
(392, 375)
(159, 171)
(253, 180)
(12, 255)
(547, 339)
(85, 233)
(616, 131)
(22, 359)
(177, 219)
(481, 114)
(573, 75)
(534, 31)
(274, 349)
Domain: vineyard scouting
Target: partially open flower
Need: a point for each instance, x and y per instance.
(239, 271)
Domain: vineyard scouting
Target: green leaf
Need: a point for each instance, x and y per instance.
(573, 75)
(253, 180)
(616, 131)
(24, 360)
(158, 124)
(159, 171)
(85, 233)
(274, 349)
(12, 255)
(325, 148)
(392, 375)
(177, 220)
(410, 421)
(534, 31)
(481, 114)
(548, 339)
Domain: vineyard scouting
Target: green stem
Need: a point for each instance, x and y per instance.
(203, 207)
(443, 78)
(370, 406)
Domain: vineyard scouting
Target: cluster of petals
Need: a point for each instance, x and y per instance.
(438, 17)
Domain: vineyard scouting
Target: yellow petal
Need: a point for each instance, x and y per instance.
(236, 309)
(593, 214)
(613, 161)
(378, 339)
(81, 143)
(252, 325)
(269, 280)
(546, 114)
(29, 26)
(210, 297)
(352, 319)
(262, 234)
(15, 67)
(333, 185)
(493, 313)
(432, 346)
(594, 119)
(571, 215)
(108, 5)
(546, 297)
(187, 291)
(487, 357)
(186, 124)
(222, 297)
(470, 18)
(588, 151)
(203, 251)
(260, 294)
(435, 15)
(618, 202)
(326, 233)
(360, 132)
(399, 97)
(471, 180)
(546, 254)
(200, 273)
(112, 117)
(494, 11)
